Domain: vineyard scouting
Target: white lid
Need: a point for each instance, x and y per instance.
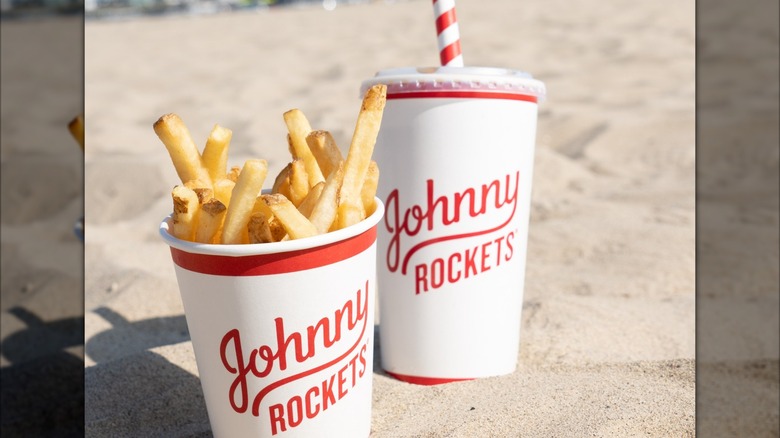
(478, 79)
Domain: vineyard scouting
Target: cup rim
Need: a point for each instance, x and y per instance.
(405, 80)
(251, 249)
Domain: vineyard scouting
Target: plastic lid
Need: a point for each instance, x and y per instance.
(462, 79)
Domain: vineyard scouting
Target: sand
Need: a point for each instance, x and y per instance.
(608, 333)
(739, 281)
(42, 308)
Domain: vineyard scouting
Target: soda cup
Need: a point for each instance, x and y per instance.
(283, 332)
(456, 149)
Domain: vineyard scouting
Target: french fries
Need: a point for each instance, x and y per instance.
(325, 150)
(185, 212)
(223, 190)
(259, 226)
(308, 203)
(316, 192)
(212, 213)
(215, 153)
(233, 174)
(299, 181)
(296, 224)
(324, 212)
(76, 128)
(185, 156)
(299, 128)
(242, 200)
(359, 156)
(368, 191)
(282, 181)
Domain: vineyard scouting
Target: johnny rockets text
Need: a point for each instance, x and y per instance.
(464, 264)
(433, 217)
(340, 373)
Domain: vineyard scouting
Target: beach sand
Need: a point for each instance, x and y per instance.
(608, 333)
(41, 325)
(739, 273)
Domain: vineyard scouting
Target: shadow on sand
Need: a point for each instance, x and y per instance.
(43, 388)
(126, 337)
(144, 395)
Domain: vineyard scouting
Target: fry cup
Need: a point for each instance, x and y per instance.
(456, 151)
(283, 332)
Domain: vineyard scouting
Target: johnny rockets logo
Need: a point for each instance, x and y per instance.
(433, 218)
(301, 346)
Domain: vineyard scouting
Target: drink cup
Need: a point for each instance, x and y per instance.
(283, 332)
(456, 150)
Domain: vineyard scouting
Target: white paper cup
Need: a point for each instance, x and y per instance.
(283, 332)
(456, 151)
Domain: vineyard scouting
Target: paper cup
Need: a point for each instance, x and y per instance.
(283, 332)
(456, 150)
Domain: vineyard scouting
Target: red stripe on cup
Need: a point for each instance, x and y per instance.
(277, 263)
(427, 381)
(462, 95)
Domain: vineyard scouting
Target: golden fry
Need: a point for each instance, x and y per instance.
(266, 226)
(278, 233)
(212, 213)
(204, 194)
(235, 171)
(349, 214)
(242, 201)
(299, 128)
(223, 190)
(325, 150)
(197, 184)
(359, 156)
(324, 212)
(368, 191)
(291, 148)
(280, 177)
(76, 128)
(215, 153)
(307, 205)
(282, 181)
(185, 156)
(299, 183)
(258, 226)
(258, 229)
(185, 212)
(201, 189)
(296, 224)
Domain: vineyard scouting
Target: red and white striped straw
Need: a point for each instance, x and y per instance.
(448, 33)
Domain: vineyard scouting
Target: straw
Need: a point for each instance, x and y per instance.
(448, 33)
